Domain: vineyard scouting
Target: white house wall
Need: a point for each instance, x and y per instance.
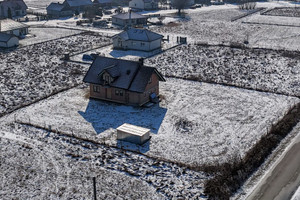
(14, 41)
(156, 44)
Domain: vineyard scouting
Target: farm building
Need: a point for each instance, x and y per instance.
(129, 19)
(144, 4)
(103, 3)
(8, 40)
(10, 26)
(133, 134)
(12, 8)
(122, 81)
(78, 5)
(137, 39)
(59, 10)
(189, 2)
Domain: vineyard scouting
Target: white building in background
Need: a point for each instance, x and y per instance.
(144, 4)
(10, 26)
(137, 39)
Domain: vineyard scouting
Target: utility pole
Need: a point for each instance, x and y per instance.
(95, 191)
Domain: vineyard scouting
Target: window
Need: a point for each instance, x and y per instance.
(119, 93)
(150, 80)
(96, 89)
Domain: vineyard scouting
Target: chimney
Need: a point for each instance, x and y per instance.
(129, 18)
(141, 62)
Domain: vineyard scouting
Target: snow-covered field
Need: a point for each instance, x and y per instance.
(266, 70)
(214, 27)
(274, 20)
(287, 12)
(227, 120)
(36, 71)
(38, 164)
(39, 34)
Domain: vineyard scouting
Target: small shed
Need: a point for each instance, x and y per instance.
(133, 134)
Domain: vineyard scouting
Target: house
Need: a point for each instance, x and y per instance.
(8, 40)
(122, 81)
(10, 26)
(103, 3)
(57, 10)
(137, 39)
(12, 8)
(188, 2)
(78, 5)
(144, 4)
(129, 19)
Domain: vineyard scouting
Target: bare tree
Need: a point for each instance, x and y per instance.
(179, 4)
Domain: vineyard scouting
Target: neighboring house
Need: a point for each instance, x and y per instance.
(8, 40)
(122, 81)
(129, 19)
(78, 5)
(189, 2)
(59, 10)
(137, 39)
(103, 3)
(10, 26)
(12, 8)
(144, 4)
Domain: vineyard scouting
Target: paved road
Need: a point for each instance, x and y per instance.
(283, 180)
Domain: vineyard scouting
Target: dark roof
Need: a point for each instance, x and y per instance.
(139, 34)
(77, 3)
(56, 6)
(127, 16)
(104, 1)
(4, 37)
(130, 75)
(14, 4)
(149, 1)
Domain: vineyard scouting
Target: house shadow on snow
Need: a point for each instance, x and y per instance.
(105, 115)
(123, 53)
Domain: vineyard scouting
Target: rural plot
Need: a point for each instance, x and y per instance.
(43, 171)
(267, 70)
(196, 123)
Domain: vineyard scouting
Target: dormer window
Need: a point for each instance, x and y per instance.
(107, 78)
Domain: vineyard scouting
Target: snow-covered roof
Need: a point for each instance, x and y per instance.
(140, 35)
(9, 24)
(4, 37)
(133, 130)
(129, 75)
(149, 1)
(77, 3)
(55, 6)
(127, 16)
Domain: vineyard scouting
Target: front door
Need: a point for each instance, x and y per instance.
(108, 93)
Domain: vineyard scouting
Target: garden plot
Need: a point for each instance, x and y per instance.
(33, 72)
(273, 20)
(285, 12)
(267, 70)
(196, 123)
(49, 164)
(37, 35)
(214, 28)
